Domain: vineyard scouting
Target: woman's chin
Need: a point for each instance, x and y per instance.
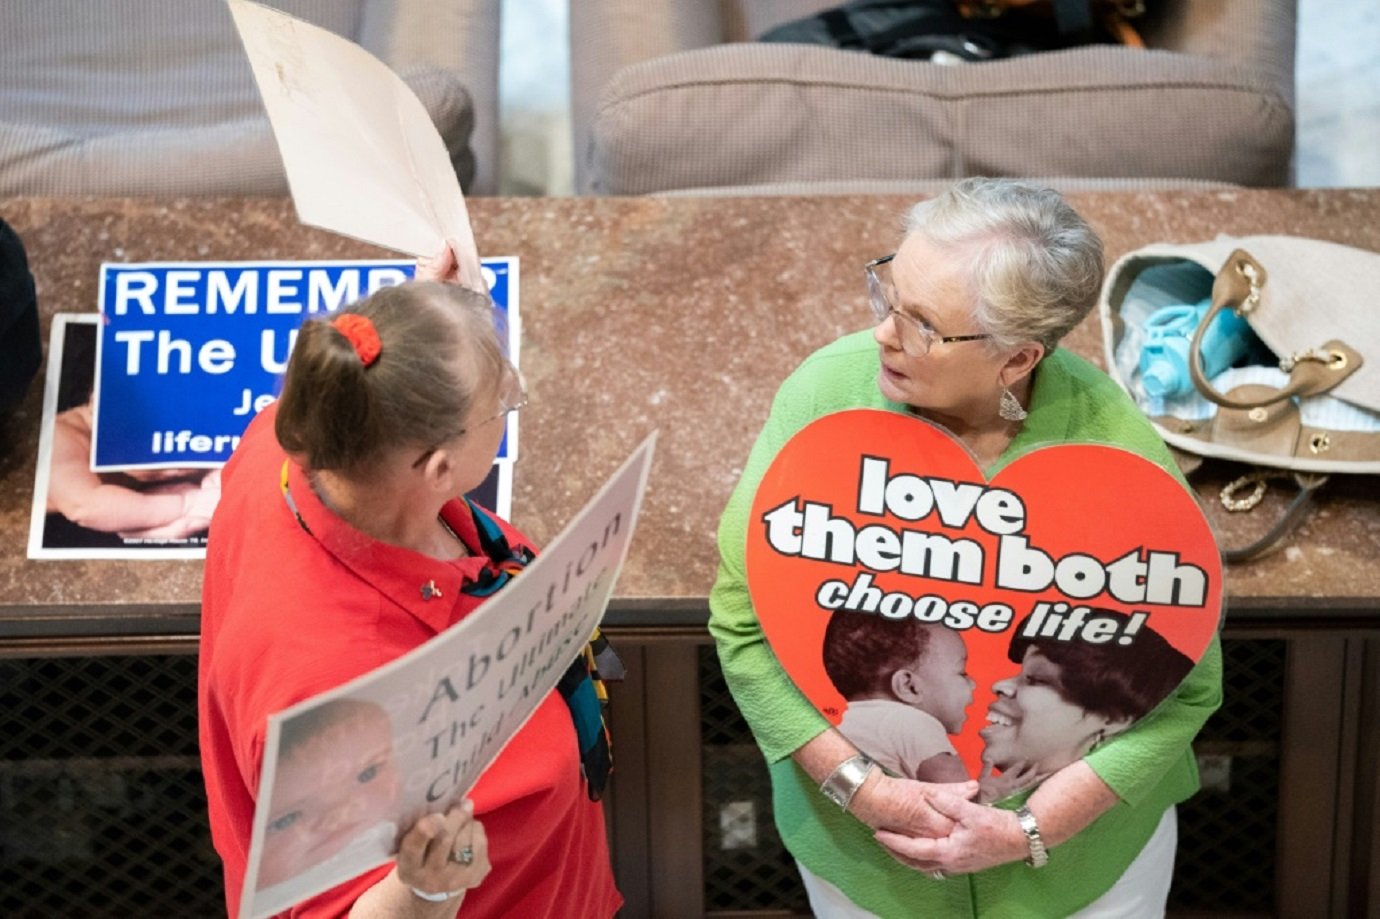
(996, 738)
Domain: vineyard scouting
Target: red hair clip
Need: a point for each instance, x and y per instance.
(359, 331)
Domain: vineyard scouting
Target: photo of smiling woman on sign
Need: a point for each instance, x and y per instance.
(1069, 697)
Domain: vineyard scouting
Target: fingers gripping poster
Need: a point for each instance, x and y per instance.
(956, 628)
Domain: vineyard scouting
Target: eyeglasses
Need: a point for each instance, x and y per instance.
(917, 336)
(511, 398)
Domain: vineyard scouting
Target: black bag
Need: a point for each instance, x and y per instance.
(21, 349)
(932, 30)
(916, 29)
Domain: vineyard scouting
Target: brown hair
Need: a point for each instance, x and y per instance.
(338, 414)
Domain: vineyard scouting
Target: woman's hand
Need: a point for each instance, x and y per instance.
(1016, 778)
(907, 807)
(432, 855)
(440, 267)
(431, 859)
(882, 801)
(982, 837)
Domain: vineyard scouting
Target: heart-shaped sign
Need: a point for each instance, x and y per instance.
(954, 627)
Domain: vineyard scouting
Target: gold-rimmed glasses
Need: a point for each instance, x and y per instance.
(916, 335)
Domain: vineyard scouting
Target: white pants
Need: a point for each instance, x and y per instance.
(1140, 892)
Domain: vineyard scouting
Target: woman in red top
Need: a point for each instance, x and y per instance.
(337, 546)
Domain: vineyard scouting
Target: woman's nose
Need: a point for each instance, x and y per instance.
(885, 332)
(1004, 688)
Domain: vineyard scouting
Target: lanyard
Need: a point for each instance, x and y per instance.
(503, 562)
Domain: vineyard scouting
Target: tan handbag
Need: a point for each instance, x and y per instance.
(1294, 331)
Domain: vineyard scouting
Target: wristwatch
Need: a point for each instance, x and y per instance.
(843, 783)
(1039, 855)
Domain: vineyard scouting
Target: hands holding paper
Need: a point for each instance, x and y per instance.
(445, 851)
(882, 801)
(439, 859)
(984, 837)
(981, 837)
(441, 267)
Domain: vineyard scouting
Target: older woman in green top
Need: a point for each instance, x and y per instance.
(990, 276)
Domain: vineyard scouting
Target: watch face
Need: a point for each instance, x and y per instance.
(1039, 856)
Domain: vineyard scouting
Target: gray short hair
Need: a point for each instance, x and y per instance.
(1036, 264)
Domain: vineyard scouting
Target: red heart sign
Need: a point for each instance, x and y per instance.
(945, 622)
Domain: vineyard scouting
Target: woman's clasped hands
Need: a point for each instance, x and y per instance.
(978, 836)
(908, 807)
(937, 828)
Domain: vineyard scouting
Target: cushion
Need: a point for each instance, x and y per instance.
(105, 101)
(916, 189)
(745, 114)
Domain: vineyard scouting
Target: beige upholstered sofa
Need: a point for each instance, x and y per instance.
(670, 95)
(142, 97)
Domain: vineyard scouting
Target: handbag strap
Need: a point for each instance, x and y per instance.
(1312, 372)
(1308, 484)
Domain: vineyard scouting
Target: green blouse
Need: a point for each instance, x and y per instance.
(1150, 767)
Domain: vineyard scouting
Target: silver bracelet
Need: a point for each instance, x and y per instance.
(843, 783)
(1039, 855)
(441, 897)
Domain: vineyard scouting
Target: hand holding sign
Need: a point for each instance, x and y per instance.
(954, 627)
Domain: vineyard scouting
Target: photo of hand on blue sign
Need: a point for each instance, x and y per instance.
(146, 402)
(82, 513)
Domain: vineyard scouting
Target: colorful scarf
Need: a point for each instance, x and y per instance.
(582, 684)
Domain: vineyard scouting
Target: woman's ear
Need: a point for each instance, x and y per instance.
(438, 470)
(1114, 728)
(1109, 730)
(1020, 362)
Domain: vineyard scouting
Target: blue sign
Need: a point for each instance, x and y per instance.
(190, 352)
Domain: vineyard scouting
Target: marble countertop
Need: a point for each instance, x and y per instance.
(680, 314)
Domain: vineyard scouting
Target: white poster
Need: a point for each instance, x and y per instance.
(362, 156)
